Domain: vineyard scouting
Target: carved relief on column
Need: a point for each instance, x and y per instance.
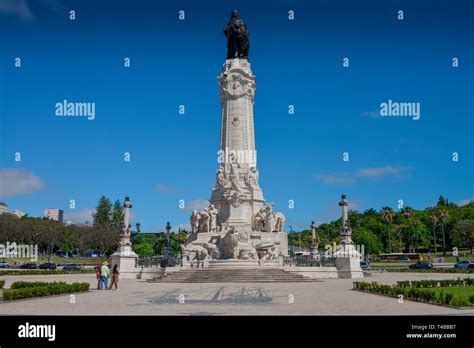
(236, 84)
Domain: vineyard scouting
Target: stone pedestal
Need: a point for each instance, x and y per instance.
(126, 264)
(348, 262)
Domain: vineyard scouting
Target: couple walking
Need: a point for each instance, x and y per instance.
(102, 276)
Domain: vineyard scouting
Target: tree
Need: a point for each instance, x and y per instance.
(407, 213)
(441, 202)
(463, 233)
(434, 219)
(117, 214)
(370, 212)
(105, 239)
(370, 240)
(144, 249)
(387, 218)
(103, 213)
(441, 213)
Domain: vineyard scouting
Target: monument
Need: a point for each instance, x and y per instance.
(238, 224)
(347, 258)
(124, 257)
(314, 242)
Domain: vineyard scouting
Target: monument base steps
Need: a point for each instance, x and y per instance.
(231, 275)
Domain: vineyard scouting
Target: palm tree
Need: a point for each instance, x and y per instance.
(407, 213)
(387, 217)
(434, 219)
(441, 214)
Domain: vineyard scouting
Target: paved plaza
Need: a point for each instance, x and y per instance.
(136, 297)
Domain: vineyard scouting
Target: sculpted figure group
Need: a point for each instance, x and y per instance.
(265, 220)
(205, 220)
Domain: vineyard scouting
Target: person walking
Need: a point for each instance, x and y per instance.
(97, 276)
(115, 277)
(104, 275)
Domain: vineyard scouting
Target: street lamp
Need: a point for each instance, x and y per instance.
(138, 224)
(167, 248)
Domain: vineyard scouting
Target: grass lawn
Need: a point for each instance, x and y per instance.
(460, 294)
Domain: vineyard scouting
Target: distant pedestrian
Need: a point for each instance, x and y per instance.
(115, 277)
(104, 276)
(97, 276)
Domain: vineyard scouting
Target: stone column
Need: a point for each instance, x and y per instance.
(124, 257)
(237, 195)
(314, 242)
(347, 258)
(344, 203)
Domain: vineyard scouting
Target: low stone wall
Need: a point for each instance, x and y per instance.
(314, 272)
(142, 273)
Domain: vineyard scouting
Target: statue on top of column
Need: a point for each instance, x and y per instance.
(237, 34)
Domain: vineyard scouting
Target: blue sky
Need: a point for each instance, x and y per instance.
(175, 62)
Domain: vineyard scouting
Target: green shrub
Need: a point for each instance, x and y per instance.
(445, 283)
(2, 283)
(436, 270)
(40, 289)
(45, 272)
(25, 284)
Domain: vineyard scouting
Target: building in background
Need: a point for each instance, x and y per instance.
(3, 208)
(54, 214)
(18, 213)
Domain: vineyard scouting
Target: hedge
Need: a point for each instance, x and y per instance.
(2, 283)
(21, 290)
(45, 272)
(435, 283)
(24, 284)
(435, 270)
(418, 290)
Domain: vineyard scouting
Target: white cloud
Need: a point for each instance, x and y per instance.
(369, 172)
(86, 215)
(465, 201)
(16, 182)
(80, 216)
(197, 204)
(381, 171)
(18, 8)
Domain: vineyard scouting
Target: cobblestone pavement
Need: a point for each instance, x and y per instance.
(327, 297)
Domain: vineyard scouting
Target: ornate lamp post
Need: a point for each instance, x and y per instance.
(168, 245)
(346, 230)
(138, 224)
(314, 241)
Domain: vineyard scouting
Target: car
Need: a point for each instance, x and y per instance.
(365, 265)
(471, 266)
(47, 265)
(463, 264)
(29, 266)
(72, 267)
(421, 265)
(4, 264)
